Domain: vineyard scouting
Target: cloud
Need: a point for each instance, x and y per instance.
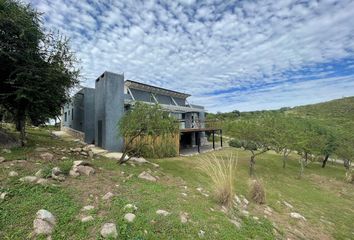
(229, 55)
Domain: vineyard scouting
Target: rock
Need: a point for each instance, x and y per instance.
(129, 217)
(85, 170)
(107, 196)
(81, 163)
(138, 160)
(297, 216)
(268, 211)
(155, 165)
(245, 201)
(44, 222)
(13, 174)
(83, 153)
(39, 173)
(201, 233)
(5, 150)
(2, 159)
(74, 173)
(109, 230)
(41, 149)
(90, 153)
(245, 213)
(236, 223)
(237, 199)
(87, 219)
(147, 176)
(130, 207)
(288, 205)
(3, 195)
(162, 212)
(29, 179)
(184, 217)
(47, 156)
(184, 194)
(57, 174)
(76, 150)
(255, 218)
(42, 181)
(88, 208)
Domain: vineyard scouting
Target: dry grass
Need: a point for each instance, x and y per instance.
(222, 174)
(257, 192)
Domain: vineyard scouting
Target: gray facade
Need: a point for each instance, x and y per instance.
(96, 112)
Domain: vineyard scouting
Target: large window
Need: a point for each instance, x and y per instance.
(66, 116)
(72, 114)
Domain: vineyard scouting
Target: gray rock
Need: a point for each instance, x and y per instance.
(130, 207)
(138, 160)
(88, 208)
(74, 173)
(5, 150)
(107, 196)
(85, 170)
(201, 233)
(87, 219)
(57, 174)
(288, 205)
(29, 179)
(83, 153)
(47, 156)
(109, 230)
(162, 212)
(13, 174)
(3, 195)
(42, 181)
(147, 176)
(184, 217)
(44, 222)
(297, 216)
(39, 173)
(90, 153)
(129, 217)
(77, 150)
(2, 159)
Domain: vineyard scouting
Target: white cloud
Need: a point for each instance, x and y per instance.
(228, 55)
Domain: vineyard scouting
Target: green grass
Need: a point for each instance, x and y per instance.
(321, 192)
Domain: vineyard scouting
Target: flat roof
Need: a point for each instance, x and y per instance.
(187, 130)
(154, 89)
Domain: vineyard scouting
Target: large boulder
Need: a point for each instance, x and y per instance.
(44, 222)
(147, 176)
(109, 230)
(57, 174)
(85, 170)
(81, 168)
(2, 159)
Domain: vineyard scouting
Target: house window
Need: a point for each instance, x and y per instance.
(66, 116)
(72, 114)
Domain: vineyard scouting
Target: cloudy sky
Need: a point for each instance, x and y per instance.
(245, 55)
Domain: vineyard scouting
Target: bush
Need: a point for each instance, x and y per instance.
(257, 193)
(222, 174)
(65, 166)
(235, 143)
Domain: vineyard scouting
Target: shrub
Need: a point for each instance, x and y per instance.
(257, 192)
(222, 174)
(65, 166)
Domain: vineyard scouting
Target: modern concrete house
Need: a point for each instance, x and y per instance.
(93, 113)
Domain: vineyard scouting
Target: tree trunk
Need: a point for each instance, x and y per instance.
(325, 160)
(252, 162)
(285, 157)
(306, 159)
(301, 167)
(21, 126)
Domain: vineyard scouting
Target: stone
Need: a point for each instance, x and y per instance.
(40, 149)
(268, 211)
(245, 213)
(85, 170)
(155, 165)
(2, 159)
(42, 181)
(236, 223)
(288, 205)
(130, 207)
(201, 233)
(76, 150)
(237, 199)
(138, 160)
(47, 156)
(83, 153)
(90, 153)
(109, 230)
(245, 201)
(29, 179)
(5, 150)
(184, 194)
(88, 208)
(44, 222)
(162, 212)
(87, 219)
(297, 216)
(147, 176)
(13, 174)
(39, 173)
(107, 196)
(184, 217)
(57, 174)
(73, 173)
(3, 195)
(129, 217)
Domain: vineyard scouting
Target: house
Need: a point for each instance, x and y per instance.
(93, 114)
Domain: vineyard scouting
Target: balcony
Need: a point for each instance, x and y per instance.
(198, 124)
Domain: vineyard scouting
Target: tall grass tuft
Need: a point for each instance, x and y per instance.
(222, 173)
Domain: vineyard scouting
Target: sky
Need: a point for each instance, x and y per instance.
(230, 55)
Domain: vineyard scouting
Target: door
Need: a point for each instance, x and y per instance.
(99, 133)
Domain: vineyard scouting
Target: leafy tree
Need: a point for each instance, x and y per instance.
(345, 151)
(255, 136)
(141, 121)
(37, 68)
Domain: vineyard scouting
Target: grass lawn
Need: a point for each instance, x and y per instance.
(321, 196)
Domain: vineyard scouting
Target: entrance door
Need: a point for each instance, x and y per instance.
(99, 134)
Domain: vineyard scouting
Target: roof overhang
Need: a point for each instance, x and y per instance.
(153, 89)
(171, 108)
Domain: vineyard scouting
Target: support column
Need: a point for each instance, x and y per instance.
(198, 140)
(221, 137)
(213, 139)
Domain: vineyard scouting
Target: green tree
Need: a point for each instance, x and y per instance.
(140, 121)
(37, 68)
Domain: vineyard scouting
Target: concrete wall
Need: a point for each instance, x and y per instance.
(89, 115)
(109, 108)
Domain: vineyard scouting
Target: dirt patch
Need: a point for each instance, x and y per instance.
(8, 140)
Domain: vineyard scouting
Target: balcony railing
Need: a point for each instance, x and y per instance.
(183, 124)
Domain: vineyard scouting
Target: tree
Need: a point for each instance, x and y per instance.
(345, 151)
(141, 121)
(254, 135)
(37, 68)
